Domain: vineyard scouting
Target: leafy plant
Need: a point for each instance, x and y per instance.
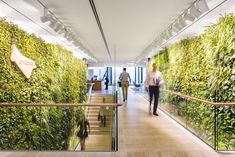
(58, 78)
(204, 66)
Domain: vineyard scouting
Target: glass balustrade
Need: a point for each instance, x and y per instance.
(213, 124)
(54, 128)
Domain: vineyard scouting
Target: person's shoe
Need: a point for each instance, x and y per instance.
(123, 100)
(155, 114)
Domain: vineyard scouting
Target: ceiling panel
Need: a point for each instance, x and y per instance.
(130, 25)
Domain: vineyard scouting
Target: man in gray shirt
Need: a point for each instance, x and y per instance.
(124, 76)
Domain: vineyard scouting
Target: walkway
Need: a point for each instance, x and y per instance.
(143, 135)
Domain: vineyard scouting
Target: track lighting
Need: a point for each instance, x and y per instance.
(62, 30)
(202, 5)
(70, 37)
(53, 23)
(189, 16)
(169, 32)
(58, 27)
(66, 34)
(195, 12)
(177, 26)
(164, 36)
(182, 22)
(46, 17)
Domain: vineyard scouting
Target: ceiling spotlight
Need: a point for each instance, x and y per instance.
(53, 23)
(169, 33)
(66, 34)
(62, 30)
(46, 17)
(194, 11)
(177, 26)
(164, 36)
(202, 5)
(189, 16)
(58, 27)
(70, 37)
(182, 22)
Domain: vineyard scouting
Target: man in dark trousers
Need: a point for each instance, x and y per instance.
(153, 82)
(106, 83)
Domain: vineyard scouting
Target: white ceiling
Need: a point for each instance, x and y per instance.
(129, 25)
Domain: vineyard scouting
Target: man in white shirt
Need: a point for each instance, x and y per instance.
(153, 82)
(124, 76)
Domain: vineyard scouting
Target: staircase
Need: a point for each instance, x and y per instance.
(100, 138)
(101, 99)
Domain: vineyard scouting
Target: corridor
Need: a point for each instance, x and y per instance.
(142, 135)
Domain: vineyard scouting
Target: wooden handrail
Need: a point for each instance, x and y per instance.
(57, 105)
(198, 99)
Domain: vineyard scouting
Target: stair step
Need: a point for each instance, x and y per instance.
(100, 128)
(94, 109)
(100, 133)
(108, 118)
(100, 102)
(101, 97)
(98, 121)
(95, 115)
(98, 124)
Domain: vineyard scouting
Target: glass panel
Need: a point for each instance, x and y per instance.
(194, 116)
(115, 130)
(226, 127)
(174, 106)
(56, 128)
(201, 121)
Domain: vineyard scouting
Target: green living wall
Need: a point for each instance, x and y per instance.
(58, 78)
(204, 66)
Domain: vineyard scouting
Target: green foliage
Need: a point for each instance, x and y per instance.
(204, 66)
(58, 78)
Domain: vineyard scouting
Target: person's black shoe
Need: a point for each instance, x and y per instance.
(123, 100)
(155, 114)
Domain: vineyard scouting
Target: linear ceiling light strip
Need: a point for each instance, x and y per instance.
(99, 25)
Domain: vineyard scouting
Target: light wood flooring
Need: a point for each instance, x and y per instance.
(142, 135)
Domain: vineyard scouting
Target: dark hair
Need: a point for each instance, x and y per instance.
(124, 69)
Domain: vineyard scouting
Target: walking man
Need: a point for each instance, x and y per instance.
(153, 82)
(124, 76)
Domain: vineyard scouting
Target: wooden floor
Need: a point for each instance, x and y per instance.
(143, 135)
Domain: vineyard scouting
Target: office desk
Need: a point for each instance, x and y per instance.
(97, 85)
